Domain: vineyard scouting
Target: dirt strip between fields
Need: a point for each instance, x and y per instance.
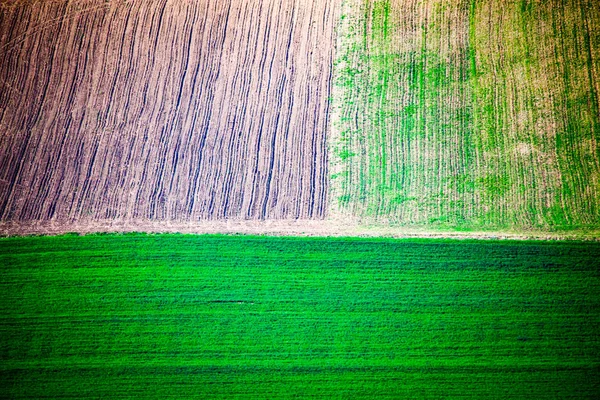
(327, 228)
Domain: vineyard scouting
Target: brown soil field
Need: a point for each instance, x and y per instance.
(331, 227)
(164, 110)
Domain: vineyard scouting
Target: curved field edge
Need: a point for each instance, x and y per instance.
(184, 316)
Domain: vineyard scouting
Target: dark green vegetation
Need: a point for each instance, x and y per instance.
(180, 316)
(471, 114)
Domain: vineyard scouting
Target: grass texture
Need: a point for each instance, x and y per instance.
(178, 316)
(470, 114)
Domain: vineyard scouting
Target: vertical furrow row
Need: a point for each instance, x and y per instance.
(164, 110)
(474, 114)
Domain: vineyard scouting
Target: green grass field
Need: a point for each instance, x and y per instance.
(177, 316)
(470, 114)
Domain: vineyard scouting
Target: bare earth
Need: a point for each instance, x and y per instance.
(206, 117)
(169, 110)
(328, 228)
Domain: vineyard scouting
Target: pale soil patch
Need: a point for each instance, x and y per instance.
(327, 228)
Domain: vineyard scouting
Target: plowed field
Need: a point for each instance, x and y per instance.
(164, 110)
(434, 115)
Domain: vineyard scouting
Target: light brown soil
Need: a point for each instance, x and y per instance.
(327, 228)
(168, 110)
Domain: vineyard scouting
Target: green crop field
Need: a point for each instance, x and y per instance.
(403, 118)
(177, 316)
(468, 114)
